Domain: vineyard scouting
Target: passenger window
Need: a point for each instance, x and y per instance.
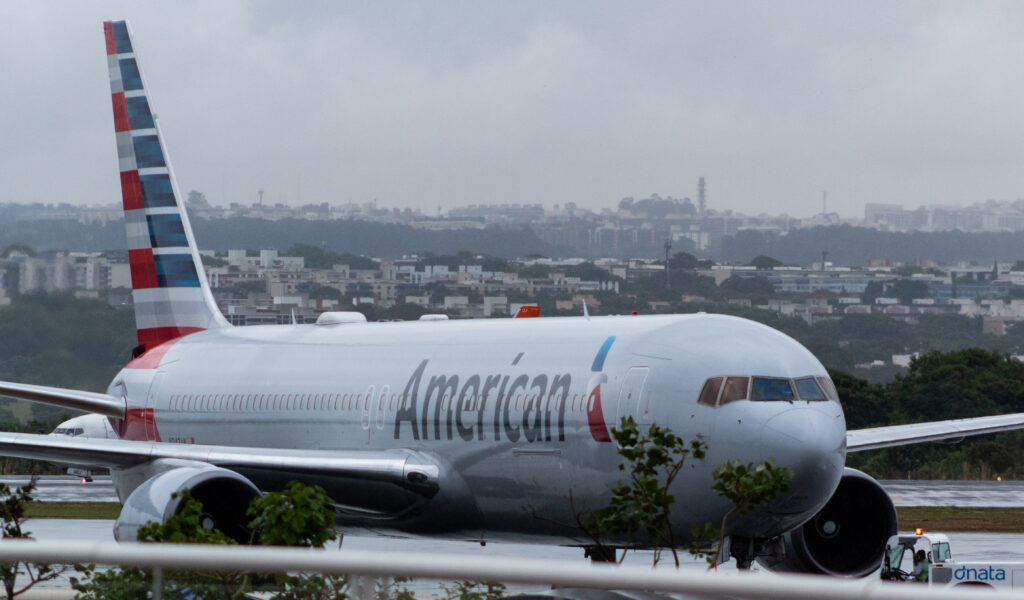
(771, 388)
(735, 389)
(709, 395)
(830, 389)
(807, 388)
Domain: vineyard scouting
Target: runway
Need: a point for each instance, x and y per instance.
(955, 493)
(903, 493)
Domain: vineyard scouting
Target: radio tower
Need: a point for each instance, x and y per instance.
(702, 202)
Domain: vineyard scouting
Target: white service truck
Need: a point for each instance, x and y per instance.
(937, 567)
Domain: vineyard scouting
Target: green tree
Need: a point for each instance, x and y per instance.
(686, 261)
(763, 262)
(907, 290)
(213, 261)
(315, 257)
(642, 504)
(12, 515)
(748, 486)
(405, 312)
(864, 404)
(300, 515)
(749, 287)
(588, 271)
(535, 271)
(473, 590)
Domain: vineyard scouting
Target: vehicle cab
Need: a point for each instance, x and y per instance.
(898, 563)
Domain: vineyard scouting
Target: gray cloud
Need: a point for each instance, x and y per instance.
(420, 104)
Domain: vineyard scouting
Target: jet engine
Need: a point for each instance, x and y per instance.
(847, 537)
(225, 496)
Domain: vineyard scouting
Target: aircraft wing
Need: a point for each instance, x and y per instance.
(860, 440)
(413, 471)
(103, 404)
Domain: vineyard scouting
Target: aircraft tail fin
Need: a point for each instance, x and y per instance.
(528, 311)
(169, 287)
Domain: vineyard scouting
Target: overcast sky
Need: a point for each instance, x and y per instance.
(427, 103)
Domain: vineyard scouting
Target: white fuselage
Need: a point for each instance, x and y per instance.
(518, 410)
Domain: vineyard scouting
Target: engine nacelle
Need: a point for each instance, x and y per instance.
(847, 537)
(225, 496)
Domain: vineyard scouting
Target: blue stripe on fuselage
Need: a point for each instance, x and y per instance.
(602, 353)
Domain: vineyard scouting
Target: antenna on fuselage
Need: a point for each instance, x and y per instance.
(294, 322)
(586, 315)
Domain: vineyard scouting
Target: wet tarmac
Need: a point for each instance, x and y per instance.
(65, 488)
(955, 493)
(903, 493)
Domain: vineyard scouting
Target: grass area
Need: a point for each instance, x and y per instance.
(956, 518)
(73, 510)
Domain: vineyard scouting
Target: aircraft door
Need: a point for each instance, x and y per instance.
(152, 403)
(634, 398)
(382, 405)
(367, 403)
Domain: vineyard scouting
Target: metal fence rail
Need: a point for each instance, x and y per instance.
(477, 568)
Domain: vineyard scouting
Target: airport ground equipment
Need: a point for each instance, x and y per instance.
(943, 570)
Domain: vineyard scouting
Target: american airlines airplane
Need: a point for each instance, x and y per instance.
(471, 430)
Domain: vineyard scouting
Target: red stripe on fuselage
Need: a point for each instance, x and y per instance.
(108, 33)
(140, 426)
(131, 191)
(156, 336)
(143, 269)
(595, 417)
(121, 120)
(152, 357)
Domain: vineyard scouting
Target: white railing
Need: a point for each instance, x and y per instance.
(559, 573)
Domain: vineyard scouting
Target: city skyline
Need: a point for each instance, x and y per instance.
(907, 104)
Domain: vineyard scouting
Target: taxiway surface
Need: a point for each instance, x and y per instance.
(903, 493)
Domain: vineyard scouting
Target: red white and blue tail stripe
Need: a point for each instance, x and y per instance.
(172, 297)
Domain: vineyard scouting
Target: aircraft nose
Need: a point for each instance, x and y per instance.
(812, 444)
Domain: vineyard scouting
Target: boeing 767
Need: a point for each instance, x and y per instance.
(466, 429)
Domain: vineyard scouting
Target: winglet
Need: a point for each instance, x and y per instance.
(528, 311)
(171, 295)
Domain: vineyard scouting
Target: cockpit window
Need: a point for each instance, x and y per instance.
(808, 389)
(770, 388)
(709, 395)
(830, 390)
(735, 389)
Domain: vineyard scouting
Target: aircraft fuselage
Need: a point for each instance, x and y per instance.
(516, 411)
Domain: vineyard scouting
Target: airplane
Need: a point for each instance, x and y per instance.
(471, 430)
